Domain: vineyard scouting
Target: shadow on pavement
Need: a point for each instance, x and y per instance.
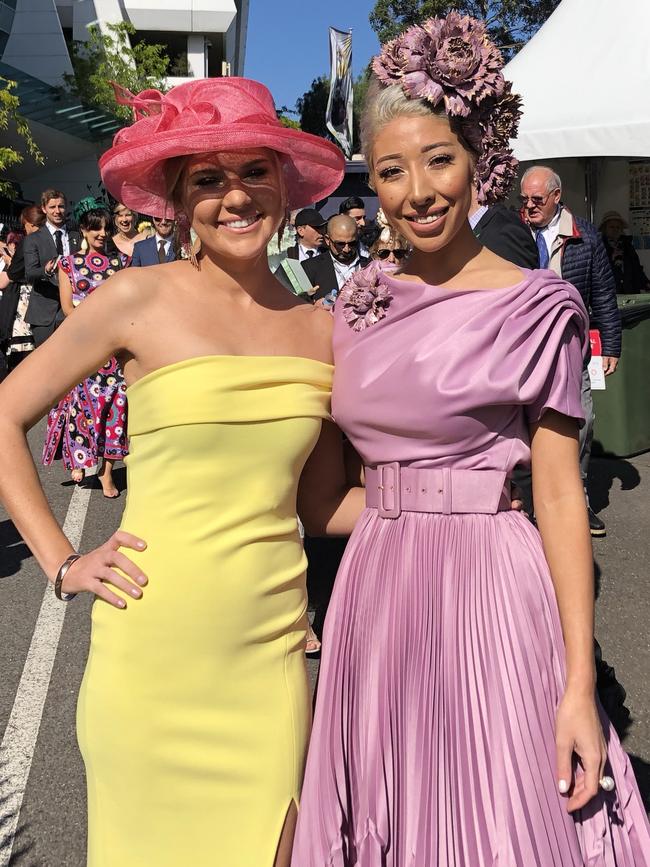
(602, 472)
(642, 774)
(21, 844)
(12, 549)
(119, 477)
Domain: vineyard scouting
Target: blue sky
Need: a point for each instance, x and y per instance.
(288, 45)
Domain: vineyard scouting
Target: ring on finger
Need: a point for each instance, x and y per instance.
(607, 784)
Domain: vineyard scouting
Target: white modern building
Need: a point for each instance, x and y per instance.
(203, 38)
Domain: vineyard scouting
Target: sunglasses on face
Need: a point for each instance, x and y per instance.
(398, 253)
(537, 201)
(340, 246)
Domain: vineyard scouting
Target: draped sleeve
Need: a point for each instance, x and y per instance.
(552, 377)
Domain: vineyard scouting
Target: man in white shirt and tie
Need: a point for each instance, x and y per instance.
(42, 251)
(157, 249)
(333, 268)
(310, 227)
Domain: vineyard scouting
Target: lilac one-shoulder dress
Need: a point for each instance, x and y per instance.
(433, 742)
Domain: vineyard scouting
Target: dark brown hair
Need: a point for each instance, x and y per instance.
(32, 214)
(48, 195)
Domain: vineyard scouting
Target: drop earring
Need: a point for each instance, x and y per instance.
(191, 249)
(283, 226)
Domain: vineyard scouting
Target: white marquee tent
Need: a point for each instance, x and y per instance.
(585, 82)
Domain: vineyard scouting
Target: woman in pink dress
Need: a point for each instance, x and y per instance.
(456, 722)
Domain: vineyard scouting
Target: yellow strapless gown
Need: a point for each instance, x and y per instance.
(194, 711)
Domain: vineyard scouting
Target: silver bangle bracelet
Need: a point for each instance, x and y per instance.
(60, 575)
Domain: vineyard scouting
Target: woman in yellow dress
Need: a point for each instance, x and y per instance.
(194, 710)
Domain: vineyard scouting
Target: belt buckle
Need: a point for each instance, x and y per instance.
(386, 487)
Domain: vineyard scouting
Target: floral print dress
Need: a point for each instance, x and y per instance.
(89, 423)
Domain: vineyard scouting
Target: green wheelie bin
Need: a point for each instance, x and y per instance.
(623, 410)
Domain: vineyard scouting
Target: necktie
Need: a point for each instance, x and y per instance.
(162, 258)
(543, 249)
(58, 240)
(310, 253)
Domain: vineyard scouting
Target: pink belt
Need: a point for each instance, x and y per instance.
(393, 489)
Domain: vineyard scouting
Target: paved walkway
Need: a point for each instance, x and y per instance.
(44, 647)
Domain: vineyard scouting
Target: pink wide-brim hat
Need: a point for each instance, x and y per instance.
(206, 116)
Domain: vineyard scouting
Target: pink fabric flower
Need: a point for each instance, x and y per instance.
(451, 61)
(364, 299)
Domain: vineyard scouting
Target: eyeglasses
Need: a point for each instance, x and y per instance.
(340, 246)
(398, 253)
(537, 201)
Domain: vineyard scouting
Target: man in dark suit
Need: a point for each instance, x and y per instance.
(157, 249)
(333, 268)
(503, 232)
(310, 226)
(42, 251)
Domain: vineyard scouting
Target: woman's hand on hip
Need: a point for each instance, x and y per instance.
(95, 572)
(578, 730)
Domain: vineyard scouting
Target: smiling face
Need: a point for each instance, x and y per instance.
(164, 227)
(54, 211)
(234, 201)
(124, 219)
(96, 238)
(423, 175)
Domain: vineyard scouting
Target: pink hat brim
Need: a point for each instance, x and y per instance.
(133, 172)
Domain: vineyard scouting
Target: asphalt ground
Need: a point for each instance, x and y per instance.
(51, 823)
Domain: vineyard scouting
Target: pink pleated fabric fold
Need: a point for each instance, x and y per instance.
(433, 741)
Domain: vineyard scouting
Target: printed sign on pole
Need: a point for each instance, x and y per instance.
(339, 104)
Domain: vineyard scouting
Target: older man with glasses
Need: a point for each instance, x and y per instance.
(573, 248)
(333, 268)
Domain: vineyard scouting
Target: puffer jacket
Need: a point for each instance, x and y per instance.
(585, 264)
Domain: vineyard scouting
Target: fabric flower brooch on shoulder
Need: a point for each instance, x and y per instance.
(364, 299)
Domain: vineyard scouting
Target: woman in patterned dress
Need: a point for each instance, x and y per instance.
(89, 423)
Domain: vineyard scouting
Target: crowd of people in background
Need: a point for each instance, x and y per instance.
(48, 266)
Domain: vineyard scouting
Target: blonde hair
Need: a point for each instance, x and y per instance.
(384, 104)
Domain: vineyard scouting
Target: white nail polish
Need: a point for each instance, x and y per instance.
(563, 786)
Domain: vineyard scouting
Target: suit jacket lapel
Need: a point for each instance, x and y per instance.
(48, 245)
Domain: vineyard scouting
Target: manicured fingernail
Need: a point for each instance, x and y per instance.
(563, 786)
(121, 604)
(135, 592)
(142, 545)
(141, 580)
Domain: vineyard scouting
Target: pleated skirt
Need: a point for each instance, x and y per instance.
(433, 742)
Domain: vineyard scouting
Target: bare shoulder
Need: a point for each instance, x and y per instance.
(316, 327)
(130, 287)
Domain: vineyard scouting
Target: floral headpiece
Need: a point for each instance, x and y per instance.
(452, 61)
(89, 203)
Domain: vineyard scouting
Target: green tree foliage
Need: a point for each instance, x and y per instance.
(510, 22)
(312, 107)
(109, 56)
(10, 116)
(288, 121)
